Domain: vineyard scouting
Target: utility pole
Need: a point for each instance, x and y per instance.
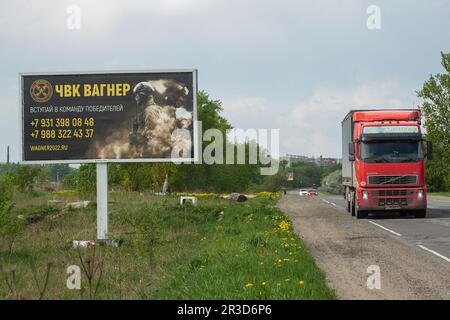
(7, 155)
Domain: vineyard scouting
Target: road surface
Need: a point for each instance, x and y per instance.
(413, 254)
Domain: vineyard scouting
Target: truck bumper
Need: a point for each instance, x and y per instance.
(392, 199)
(394, 208)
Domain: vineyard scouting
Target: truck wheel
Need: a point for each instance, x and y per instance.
(352, 203)
(359, 213)
(420, 214)
(346, 199)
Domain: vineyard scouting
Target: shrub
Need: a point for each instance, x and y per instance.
(10, 225)
(332, 183)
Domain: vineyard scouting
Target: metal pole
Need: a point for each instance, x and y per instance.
(102, 201)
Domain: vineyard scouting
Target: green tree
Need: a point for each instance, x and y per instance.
(84, 180)
(26, 176)
(436, 110)
(209, 113)
(306, 175)
(10, 225)
(332, 183)
(57, 172)
(203, 177)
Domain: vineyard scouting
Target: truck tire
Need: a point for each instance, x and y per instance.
(352, 203)
(346, 196)
(359, 213)
(420, 214)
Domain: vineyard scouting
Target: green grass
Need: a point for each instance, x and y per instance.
(445, 194)
(215, 250)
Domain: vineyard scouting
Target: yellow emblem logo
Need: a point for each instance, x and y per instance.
(41, 91)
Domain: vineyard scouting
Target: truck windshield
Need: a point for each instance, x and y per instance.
(392, 151)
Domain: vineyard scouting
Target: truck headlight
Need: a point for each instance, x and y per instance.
(365, 195)
(420, 195)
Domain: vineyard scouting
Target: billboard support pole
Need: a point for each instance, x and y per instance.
(102, 201)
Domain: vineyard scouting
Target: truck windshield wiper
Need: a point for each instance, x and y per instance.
(409, 159)
(378, 160)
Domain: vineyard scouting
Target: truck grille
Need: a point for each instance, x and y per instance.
(389, 193)
(392, 180)
(394, 201)
(397, 197)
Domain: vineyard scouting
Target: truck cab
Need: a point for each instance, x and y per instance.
(383, 162)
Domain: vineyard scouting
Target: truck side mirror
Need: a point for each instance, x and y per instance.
(429, 150)
(351, 151)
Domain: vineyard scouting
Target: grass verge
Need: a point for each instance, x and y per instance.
(215, 250)
(445, 194)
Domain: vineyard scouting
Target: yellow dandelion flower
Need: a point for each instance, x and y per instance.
(248, 285)
(301, 282)
(284, 225)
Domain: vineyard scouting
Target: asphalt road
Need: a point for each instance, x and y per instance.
(432, 233)
(413, 254)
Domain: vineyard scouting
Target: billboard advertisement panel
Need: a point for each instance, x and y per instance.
(147, 116)
(290, 176)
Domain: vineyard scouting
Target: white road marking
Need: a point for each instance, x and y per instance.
(434, 252)
(384, 228)
(334, 204)
(326, 201)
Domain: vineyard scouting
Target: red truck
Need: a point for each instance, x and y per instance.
(383, 165)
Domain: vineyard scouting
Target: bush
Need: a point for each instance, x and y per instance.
(36, 213)
(25, 176)
(333, 183)
(83, 180)
(10, 225)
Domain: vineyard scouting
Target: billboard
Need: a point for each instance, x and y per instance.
(290, 176)
(147, 116)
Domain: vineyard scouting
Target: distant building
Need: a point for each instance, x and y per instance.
(320, 161)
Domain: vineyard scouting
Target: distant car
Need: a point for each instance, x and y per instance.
(303, 192)
(313, 192)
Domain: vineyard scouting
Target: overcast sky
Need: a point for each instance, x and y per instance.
(298, 66)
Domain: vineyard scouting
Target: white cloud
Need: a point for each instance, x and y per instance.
(313, 127)
(239, 107)
(170, 7)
